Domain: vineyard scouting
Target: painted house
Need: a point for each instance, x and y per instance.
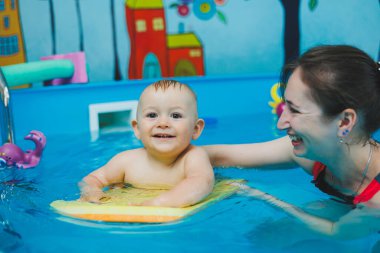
(154, 53)
(185, 55)
(11, 39)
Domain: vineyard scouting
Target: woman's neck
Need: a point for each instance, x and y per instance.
(349, 170)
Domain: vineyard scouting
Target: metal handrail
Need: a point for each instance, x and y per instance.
(6, 125)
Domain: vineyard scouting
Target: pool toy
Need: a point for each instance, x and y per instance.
(117, 209)
(38, 71)
(78, 68)
(277, 104)
(12, 155)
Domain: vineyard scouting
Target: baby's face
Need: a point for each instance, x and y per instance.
(166, 120)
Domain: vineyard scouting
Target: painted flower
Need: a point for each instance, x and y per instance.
(204, 9)
(220, 2)
(183, 10)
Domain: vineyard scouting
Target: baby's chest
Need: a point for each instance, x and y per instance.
(146, 176)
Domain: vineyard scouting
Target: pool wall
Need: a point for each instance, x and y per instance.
(65, 109)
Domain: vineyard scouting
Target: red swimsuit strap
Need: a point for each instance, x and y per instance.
(317, 168)
(364, 196)
(369, 192)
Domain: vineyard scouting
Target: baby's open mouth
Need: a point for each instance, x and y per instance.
(163, 136)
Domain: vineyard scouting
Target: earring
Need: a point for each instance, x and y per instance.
(344, 133)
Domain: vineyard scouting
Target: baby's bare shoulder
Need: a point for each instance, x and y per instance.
(195, 150)
(196, 155)
(130, 155)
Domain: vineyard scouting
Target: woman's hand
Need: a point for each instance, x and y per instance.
(250, 191)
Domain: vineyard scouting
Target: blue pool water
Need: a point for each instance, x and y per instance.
(237, 224)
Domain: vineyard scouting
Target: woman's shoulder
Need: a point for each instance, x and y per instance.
(306, 164)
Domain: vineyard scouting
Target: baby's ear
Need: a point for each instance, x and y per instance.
(135, 128)
(198, 128)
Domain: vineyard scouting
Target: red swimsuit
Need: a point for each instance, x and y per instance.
(319, 171)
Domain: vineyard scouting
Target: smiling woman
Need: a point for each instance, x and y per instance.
(331, 111)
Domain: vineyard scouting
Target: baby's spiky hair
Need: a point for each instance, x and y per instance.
(165, 84)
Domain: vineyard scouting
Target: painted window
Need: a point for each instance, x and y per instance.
(2, 5)
(6, 22)
(140, 25)
(195, 53)
(13, 4)
(9, 45)
(158, 24)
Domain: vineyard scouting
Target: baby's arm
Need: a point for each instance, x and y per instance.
(92, 185)
(198, 182)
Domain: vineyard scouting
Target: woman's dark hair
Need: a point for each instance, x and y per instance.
(341, 77)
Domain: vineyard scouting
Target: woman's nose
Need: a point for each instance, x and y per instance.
(283, 121)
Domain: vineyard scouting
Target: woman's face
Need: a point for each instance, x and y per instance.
(312, 135)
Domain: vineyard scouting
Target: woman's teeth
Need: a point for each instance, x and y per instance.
(295, 138)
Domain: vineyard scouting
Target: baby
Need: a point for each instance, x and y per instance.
(167, 120)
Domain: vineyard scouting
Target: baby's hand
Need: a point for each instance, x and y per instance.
(150, 202)
(94, 196)
(91, 194)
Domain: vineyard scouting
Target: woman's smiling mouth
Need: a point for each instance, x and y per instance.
(296, 140)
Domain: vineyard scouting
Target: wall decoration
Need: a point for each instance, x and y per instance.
(154, 53)
(182, 37)
(292, 27)
(11, 38)
(202, 9)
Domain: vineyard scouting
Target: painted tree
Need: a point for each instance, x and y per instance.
(292, 27)
(52, 27)
(117, 74)
(80, 25)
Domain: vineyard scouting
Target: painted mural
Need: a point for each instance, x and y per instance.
(11, 40)
(134, 39)
(154, 53)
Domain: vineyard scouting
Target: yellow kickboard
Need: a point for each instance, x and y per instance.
(116, 208)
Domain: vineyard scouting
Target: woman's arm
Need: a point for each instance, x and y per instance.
(276, 152)
(357, 223)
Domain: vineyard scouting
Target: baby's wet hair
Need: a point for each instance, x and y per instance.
(167, 83)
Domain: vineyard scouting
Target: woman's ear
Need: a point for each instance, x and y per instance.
(347, 121)
(198, 128)
(135, 128)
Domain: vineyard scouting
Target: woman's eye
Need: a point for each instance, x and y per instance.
(151, 115)
(176, 115)
(292, 110)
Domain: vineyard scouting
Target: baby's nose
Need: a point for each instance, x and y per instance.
(163, 122)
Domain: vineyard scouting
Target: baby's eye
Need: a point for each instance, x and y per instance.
(176, 115)
(151, 115)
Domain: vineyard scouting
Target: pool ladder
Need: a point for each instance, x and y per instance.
(6, 125)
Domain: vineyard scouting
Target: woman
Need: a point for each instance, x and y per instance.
(332, 108)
